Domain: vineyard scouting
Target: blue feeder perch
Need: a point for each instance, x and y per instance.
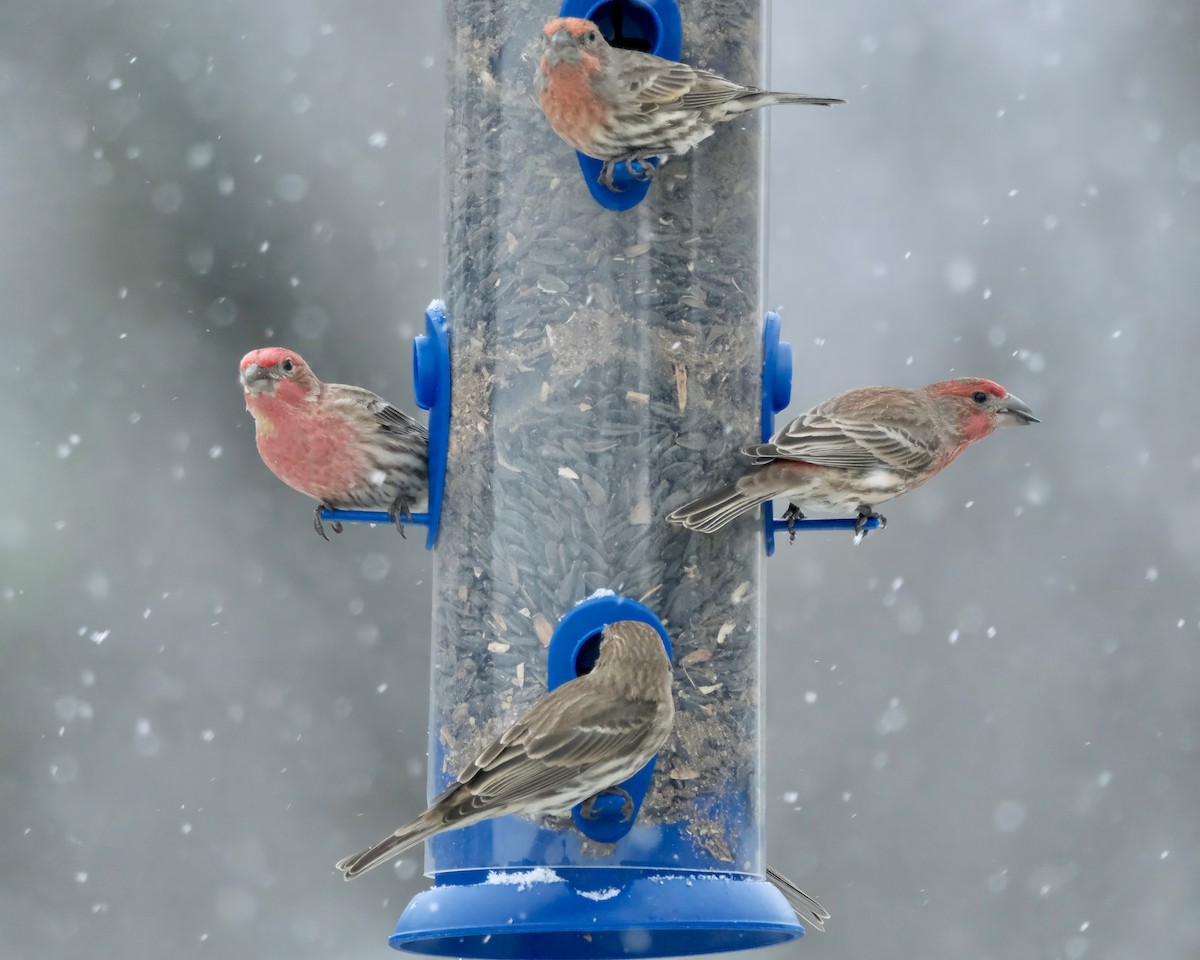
(431, 384)
(652, 26)
(776, 395)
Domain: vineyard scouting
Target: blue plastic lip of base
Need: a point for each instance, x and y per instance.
(575, 628)
(554, 917)
(664, 22)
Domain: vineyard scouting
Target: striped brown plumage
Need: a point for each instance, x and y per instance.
(860, 448)
(620, 105)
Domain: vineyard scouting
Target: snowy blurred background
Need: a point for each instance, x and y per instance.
(983, 725)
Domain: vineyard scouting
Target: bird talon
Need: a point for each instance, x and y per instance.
(588, 808)
(400, 509)
(865, 513)
(606, 177)
(319, 526)
(640, 170)
(791, 515)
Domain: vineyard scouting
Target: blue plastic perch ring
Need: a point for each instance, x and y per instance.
(572, 651)
(431, 384)
(654, 26)
(776, 395)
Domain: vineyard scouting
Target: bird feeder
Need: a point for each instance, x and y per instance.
(606, 367)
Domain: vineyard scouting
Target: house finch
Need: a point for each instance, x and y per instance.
(623, 105)
(811, 913)
(343, 446)
(861, 448)
(574, 744)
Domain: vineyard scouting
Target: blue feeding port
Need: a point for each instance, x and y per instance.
(514, 888)
(776, 395)
(651, 26)
(431, 384)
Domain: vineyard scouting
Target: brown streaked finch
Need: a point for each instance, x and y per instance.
(624, 105)
(811, 913)
(578, 741)
(343, 446)
(861, 448)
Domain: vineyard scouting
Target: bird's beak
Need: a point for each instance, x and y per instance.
(1016, 412)
(560, 45)
(257, 379)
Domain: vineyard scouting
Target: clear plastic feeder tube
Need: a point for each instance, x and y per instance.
(606, 367)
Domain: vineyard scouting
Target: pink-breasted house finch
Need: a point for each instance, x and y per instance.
(624, 105)
(343, 446)
(811, 913)
(575, 743)
(861, 448)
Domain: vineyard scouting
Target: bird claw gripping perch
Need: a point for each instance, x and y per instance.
(652, 26)
(431, 384)
(776, 395)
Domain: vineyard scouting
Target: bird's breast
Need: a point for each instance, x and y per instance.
(571, 106)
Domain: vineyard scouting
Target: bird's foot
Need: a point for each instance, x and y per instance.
(319, 526)
(400, 509)
(791, 515)
(866, 513)
(606, 176)
(588, 808)
(641, 170)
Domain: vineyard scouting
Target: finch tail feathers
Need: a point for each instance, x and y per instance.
(406, 837)
(710, 513)
(810, 913)
(768, 98)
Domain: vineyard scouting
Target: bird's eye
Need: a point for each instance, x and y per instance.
(979, 396)
(287, 365)
(591, 37)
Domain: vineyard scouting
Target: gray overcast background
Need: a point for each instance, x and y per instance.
(982, 725)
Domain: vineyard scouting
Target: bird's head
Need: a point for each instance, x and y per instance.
(977, 407)
(574, 41)
(277, 372)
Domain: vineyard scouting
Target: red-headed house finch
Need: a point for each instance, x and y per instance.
(623, 105)
(575, 743)
(811, 913)
(861, 448)
(343, 446)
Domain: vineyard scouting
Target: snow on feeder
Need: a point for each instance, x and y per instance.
(606, 367)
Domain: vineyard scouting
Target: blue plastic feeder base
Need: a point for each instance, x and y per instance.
(594, 913)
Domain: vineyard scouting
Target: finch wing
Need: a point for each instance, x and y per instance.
(388, 418)
(866, 440)
(656, 83)
(653, 81)
(558, 739)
